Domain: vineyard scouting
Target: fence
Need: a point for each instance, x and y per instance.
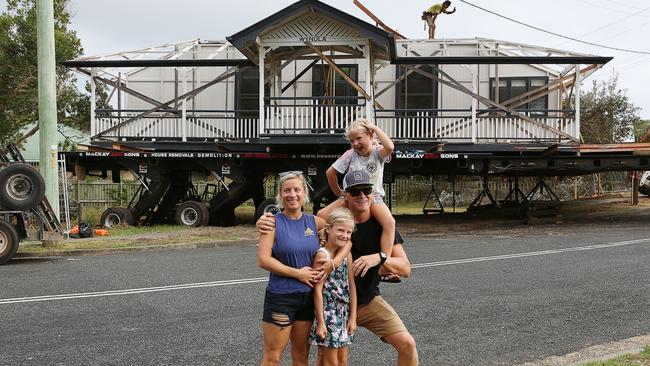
(404, 190)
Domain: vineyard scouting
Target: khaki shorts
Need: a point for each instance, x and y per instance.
(380, 318)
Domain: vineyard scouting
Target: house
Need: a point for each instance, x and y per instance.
(308, 70)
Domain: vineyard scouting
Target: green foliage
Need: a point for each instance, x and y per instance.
(120, 194)
(67, 145)
(607, 114)
(19, 67)
(642, 130)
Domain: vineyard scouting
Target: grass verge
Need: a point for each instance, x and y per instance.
(640, 359)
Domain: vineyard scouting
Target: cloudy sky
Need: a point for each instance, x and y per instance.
(118, 25)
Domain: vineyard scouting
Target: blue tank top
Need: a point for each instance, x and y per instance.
(296, 242)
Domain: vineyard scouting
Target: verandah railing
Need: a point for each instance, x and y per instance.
(489, 126)
(314, 115)
(174, 125)
(326, 115)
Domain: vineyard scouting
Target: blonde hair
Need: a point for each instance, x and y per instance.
(357, 126)
(286, 177)
(339, 215)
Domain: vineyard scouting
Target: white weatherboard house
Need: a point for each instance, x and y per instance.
(308, 70)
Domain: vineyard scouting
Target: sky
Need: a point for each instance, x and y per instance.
(119, 25)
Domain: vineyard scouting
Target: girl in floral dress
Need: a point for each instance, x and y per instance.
(335, 298)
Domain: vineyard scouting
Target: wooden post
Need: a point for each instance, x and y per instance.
(261, 91)
(577, 96)
(370, 104)
(636, 178)
(184, 105)
(475, 90)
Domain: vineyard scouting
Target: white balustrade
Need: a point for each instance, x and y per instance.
(310, 118)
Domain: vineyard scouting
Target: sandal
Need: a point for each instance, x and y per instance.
(390, 278)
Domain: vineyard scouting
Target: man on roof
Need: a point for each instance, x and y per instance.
(432, 13)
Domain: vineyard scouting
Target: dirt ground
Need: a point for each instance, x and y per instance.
(488, 221)
(614, 208)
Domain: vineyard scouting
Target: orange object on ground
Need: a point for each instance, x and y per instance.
(101, 232)
(74, 230)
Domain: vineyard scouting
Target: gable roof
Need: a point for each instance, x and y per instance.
(244, 39)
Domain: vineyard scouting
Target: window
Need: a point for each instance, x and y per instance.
(512, 87)
(416, 91)
(247, 92)
(323, 76)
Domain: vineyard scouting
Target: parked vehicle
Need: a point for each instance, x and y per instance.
(22, 188)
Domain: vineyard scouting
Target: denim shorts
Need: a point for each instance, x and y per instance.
(283, 309)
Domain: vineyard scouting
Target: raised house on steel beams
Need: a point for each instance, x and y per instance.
(307, 71)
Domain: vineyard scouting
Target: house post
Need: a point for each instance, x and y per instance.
(474, 72)
(184, 105)
(370, 104)
(261, 91)
(576, 89)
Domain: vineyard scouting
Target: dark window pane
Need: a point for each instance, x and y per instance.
(420, 102)
(247, 98)
(322, 76)
(517, 87)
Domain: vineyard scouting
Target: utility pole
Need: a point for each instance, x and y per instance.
(47, 101)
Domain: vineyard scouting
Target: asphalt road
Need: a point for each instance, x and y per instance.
(496, 299)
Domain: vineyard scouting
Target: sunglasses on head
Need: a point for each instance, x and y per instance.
(356, 192)
(291, 172)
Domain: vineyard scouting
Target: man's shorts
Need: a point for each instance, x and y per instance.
(380, 318)
(283, 309)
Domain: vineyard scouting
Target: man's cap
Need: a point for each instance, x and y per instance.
(356, 178)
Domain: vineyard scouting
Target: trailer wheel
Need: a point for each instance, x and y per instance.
(268, 205)
(206, 215)
(8, 241)
(127, 216)
(114, 216)
(191, 213)
(21, 187)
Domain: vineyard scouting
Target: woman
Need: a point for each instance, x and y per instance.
(287, 252)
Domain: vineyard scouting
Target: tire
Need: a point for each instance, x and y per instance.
(128, 218)
(268, 205)
(114, 216)
(21, 187)
(8, 241)
(206, 215)
(645, 189)
(191, 213)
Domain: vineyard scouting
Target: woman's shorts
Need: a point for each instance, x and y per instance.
(283, 309)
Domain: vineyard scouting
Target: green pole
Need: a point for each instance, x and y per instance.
(47, 102)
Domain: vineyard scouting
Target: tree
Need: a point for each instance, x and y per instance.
(18, 69)
(642, 130)
(606, 114)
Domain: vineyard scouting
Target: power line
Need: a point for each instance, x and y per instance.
(616, 21)
(556, 34)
